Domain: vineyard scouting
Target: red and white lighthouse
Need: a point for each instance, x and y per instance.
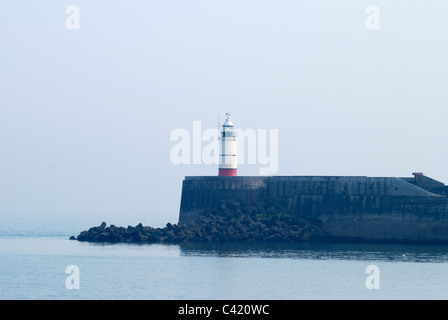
(227, 157)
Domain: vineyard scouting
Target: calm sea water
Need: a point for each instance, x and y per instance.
(34, 256)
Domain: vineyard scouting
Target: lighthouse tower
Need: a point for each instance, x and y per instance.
(227, 157)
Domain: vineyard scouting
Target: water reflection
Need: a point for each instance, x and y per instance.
(340, 251)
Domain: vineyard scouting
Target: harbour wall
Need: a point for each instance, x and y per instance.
(343, 207)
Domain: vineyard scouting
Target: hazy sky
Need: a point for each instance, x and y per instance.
(86, 115)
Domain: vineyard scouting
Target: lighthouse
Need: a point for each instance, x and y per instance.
(227, 157)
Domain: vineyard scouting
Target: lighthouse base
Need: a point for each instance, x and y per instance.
(227, 172)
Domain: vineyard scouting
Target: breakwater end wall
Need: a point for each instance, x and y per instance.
(408, 209)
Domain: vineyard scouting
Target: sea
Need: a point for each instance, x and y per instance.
(39, 262)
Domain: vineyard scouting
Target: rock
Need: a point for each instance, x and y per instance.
(274, 237)
(225, 226)
(83, 236)
(104, 237)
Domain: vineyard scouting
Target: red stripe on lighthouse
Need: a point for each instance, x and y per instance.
(227, 172)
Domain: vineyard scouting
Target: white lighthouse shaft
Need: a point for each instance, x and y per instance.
(227, 157)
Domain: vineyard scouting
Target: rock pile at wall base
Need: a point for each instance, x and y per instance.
(207, 228)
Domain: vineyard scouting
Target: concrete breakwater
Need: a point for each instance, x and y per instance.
(299, 208)
(374, 209)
